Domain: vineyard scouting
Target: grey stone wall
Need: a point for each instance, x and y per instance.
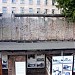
(26, 28)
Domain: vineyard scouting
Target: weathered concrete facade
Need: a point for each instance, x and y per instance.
(40, 28)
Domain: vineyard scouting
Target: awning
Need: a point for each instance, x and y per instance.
(37, 45)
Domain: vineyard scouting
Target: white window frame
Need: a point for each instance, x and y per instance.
(38, 2)
(30, 10)
(13, 9)
(4, 1)
(46, 2)
(30, 2)
(22, 1)
(38, 10)
(4, 9)
(22, 10)
(13, 1)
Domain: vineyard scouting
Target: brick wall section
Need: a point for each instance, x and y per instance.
(11, 63)
(36, 29)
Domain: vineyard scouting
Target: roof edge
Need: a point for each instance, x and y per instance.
(39, 15)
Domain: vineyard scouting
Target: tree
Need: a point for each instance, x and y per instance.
(68, 8)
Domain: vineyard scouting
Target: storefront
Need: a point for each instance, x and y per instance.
(23, 64)
(35, 58)
(37, 63)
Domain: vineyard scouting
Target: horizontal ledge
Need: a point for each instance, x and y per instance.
(37, 46)
(39, 15)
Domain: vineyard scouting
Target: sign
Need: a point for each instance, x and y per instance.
(62, 65)
(20, 68)
(62, 59)
(4, 62)
(36, 61)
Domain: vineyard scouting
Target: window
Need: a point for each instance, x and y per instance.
(46, 10)
(13, 9)
(38, 10)
(30, 10)
(30, 2)
(22, 1)
(13, 1)
(4, 1)
(22, 9)
(53, 11)
(38, 2)
(46, 2)
(4, 9)
(53, 2)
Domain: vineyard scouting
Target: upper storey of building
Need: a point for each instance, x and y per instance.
(28, 6)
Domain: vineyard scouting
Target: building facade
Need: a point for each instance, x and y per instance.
(29, 6)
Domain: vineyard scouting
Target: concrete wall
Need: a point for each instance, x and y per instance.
(19, 28)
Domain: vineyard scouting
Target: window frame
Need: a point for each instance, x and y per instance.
(45, 11)
(4, 9)
(30, 10)
(22, 1)
(53, 2)
(38, 2)
(53, 11)
(22, 10)
(13, 9)
(13, 1)
(38, 10)
(4, 1)
(46, 2)
(30, 2)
